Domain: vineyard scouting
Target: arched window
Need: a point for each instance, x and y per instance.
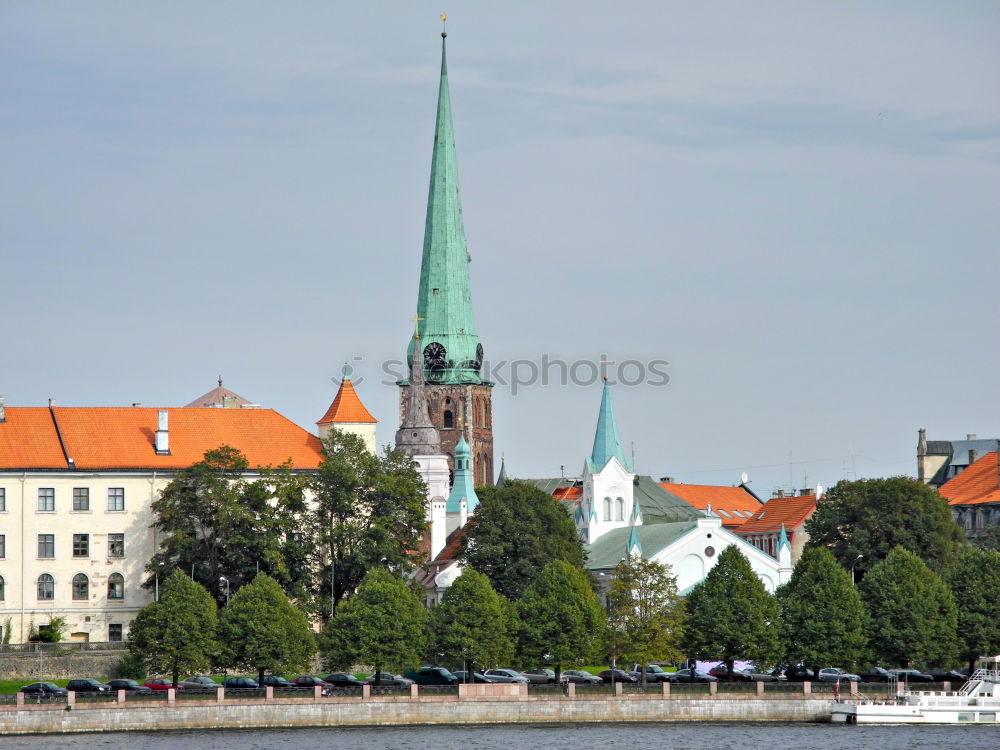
(80, 585)
(2, 588)
(46, 587)
(449, 419)
(619, 509)
(607, 509)
(116, 586)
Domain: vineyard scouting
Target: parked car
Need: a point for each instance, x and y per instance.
(130, 685)
(432, 676)
(951, 675)
(692, 675)
(876, 674)
(799, 674)
(87, 686)
(343, 679)
(912, 675)
(721, 671)
(654, 673)
(580, 677)
(540, 676)
(505, 675)
(43, 688)
(240, 683)
(833, 674)
(200, 684)
(617, 675)
(309, 681)
(160, 683)
(275, 681)
(463, 676)
(388, 678)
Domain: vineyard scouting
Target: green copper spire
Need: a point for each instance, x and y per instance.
(606, 442)
(449, 345)
(463, 488)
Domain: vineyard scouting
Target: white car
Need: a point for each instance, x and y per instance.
(506, 675)
(834, 674)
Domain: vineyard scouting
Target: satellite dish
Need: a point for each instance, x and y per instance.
(744, 478)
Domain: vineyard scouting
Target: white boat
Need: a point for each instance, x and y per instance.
(977, 702)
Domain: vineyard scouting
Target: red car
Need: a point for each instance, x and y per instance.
(161, 683)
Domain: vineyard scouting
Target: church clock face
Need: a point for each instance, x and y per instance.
(434, 359)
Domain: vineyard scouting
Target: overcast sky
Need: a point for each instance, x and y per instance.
(795, 204)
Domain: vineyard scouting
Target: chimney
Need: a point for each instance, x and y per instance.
(667, 480)
(52, 402)
(973, 456)
(3, 412)
(970, 437)
(921, 453)
(162, 434)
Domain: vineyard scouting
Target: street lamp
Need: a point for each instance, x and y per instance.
(224, 580)
(853, 565)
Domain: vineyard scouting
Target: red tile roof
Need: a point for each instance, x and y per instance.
(980, 483)
(790, 512)
(347, 407)
(567, 493)
(726, 499)
(124, 437)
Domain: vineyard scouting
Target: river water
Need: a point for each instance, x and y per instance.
(692, 736)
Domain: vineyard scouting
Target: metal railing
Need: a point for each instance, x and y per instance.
(62, 647)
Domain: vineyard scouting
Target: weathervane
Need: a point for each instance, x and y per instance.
(416, 326)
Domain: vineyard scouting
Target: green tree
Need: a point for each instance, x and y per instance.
(645, 613)
(515, 532)
(368, 511)
(975, 583)
(471, 625)
(989, 540)
(561, 618)
(732, 616)
(383, 623)
(177, 634)
(822, 617)
(261, 630)
(869, 517)
(219, 527)
(911, 613)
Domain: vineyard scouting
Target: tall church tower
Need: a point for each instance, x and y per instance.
(448, 345)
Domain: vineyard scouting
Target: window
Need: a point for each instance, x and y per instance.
(3, 546)
(115, 631)
(116, 498)
(607, 509)
(449, 419)
(46, 545)
(3, 498)
(3, 586)
(46, 499)
(116, 545)
(619, 509)
(81, 545)
(81, 498)
(116, 586)
(46, 587)
(80, 586)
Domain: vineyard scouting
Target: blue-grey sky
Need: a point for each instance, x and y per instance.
(794, 203)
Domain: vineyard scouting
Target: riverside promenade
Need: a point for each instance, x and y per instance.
(470, 704)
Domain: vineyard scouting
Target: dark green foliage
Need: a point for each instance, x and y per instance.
(732, 616)
(261, 631)
(989, 540)
(822, 618)
(561, 619)
(516, 530)
(131, 667)
(911, 613)
(213, 523)
(975, 583)
(368, 512)
(472, 624)
(871, 516)
(383, 624)
(645, 613)
(177, 634)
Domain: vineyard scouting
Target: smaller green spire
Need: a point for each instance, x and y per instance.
(463, 487)
(606, 441)
(783, 539)
(634, 548)
(503, 472)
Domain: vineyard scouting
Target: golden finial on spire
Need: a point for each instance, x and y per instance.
(444, 24)
(416, 326)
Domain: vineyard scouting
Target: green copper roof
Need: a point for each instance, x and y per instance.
(606, 442)
(612, 546)
(463, 486)
(444, 301)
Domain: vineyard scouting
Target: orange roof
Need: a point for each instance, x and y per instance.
(124, 437)
(347, 407)
(980, 483)
(567, 493)
(790, 512)
(724, 500)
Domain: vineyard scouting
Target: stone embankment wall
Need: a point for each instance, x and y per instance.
(33, 667)
(402, 711)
